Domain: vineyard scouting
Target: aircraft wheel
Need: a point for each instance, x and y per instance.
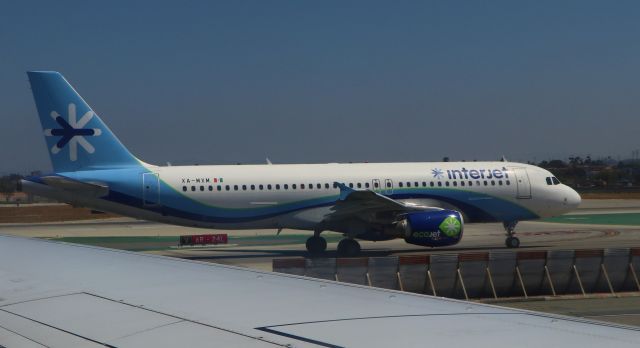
(316, 245)
(348, 247)
(512, 242)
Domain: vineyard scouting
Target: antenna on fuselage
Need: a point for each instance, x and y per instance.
(503, 159)
(269, 161)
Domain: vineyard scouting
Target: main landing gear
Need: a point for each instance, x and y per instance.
(348, 247)
(512, 241)
(317, 245)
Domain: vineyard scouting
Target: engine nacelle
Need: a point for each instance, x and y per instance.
(433, 228)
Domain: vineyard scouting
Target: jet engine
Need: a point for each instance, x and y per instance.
(432, 228)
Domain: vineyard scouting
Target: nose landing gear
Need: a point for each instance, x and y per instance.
(512, 241)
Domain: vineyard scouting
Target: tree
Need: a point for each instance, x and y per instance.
(7, 187)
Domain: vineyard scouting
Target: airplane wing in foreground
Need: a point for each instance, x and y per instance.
(63, 295)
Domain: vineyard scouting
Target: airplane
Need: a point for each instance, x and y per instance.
(425, 204)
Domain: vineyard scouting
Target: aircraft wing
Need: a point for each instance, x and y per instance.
(366, 203)
(64, 295)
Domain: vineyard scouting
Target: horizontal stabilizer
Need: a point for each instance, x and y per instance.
(75, 186)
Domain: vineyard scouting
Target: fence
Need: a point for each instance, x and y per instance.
(495, 274)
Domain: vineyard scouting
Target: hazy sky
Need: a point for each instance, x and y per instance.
(323, 81)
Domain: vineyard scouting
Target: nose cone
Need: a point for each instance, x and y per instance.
(572, 199)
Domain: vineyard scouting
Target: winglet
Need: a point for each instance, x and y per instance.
(345, 190)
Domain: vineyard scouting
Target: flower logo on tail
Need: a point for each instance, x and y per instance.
(72, 132)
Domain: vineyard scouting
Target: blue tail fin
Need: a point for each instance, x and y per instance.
(76, 137)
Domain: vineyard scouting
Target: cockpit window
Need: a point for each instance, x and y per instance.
(555, 180)
(549, 181)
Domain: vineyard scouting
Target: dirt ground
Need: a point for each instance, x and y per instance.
(47, 213)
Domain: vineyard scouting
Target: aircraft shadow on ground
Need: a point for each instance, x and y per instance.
(256, 253)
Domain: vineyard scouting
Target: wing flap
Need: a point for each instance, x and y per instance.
(17, 329)
(91, 319)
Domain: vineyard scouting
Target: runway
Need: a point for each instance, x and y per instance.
(256, 248)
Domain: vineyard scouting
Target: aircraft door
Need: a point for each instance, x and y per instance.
(375, 185)
(522, 182)
(388, 187)
(150, 189)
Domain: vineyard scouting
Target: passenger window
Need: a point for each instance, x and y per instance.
(415, 184)
(439, 183)
(493, 183)
(366, 185)
(461, 183)
(470, 183)
(227, 187)
(446, 183)
(201, 188)
(555, 180)
(219, 188)
(359, 185)
(326, 186)
(399, 183)
(388, 183)
(455, 183)
(318, 186)
(193, 188)
(424, 184)
(235, 187)
(485, 183)
(293, 187)
(210, 188)
(549, 181)
(408, 184)
(261, 187)
(184, 188)
(244, 187)
(310, 186)
(269, 187)
(335, 185)
(431, 184)
(253, 187)
(500, 182)
(351, 185)
(508, 182)
(375, 184)
(277, 186)
(302, 186)
(286, 186)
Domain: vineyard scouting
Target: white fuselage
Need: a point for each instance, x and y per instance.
(300, 195)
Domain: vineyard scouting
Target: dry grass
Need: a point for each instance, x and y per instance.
(611, 195)
(48, 213)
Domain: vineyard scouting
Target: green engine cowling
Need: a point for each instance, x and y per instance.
(433, 228)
